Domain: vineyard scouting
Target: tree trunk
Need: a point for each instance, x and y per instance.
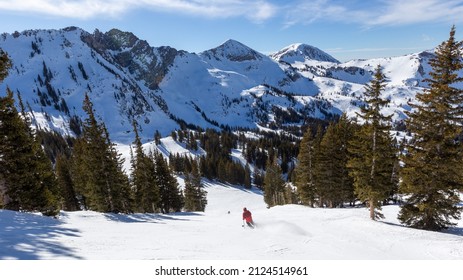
(372, 210)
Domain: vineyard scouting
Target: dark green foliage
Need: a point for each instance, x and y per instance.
(65, 184)
(373, 155)
(146, 191)
(432, 176)
(258, 178)
(171, 198)
(247, 177)
(305, 180)
(75, 125)
(5, 65)
(54, 144)
(335, 186)
(27, 181)
(195, 195)
(322, 176)
(274, 185)
(97, 168)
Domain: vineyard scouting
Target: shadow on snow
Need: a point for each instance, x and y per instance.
(26, 236)
(255, 190)
(149, 217)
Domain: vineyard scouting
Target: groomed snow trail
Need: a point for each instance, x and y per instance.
(283, 232)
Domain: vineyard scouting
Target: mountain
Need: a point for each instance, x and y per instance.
(162, 88)
(302, 53)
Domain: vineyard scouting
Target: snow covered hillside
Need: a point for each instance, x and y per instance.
(284, 232)
(163, 88)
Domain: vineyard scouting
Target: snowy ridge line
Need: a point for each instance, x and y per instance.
(162, 88)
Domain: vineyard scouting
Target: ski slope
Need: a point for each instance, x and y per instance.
(283, 233)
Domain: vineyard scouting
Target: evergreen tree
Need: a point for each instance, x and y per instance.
(274, 185)
(304, 170)
(143, 179)
(335, 186)
(97, 168)
(171, 197)
(27, 181)
(372, 151)
(5, 65)
(247, 176)
(258, 178)
(432, 174)
(195, 195)
(65, 184)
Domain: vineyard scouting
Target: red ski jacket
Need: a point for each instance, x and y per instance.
(247, 216)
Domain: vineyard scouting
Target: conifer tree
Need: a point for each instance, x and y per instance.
(5, 65)
(143, 179)
(372, 151)
(171, 197)
(247, 176)
(195, 195)
(274, 185)
(334, 185)
(65, 184)
(97, 168)
(307, 170)
(27, 181)
(432, 174)
(304, 170)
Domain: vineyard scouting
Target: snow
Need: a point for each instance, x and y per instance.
(231, 84)
(283, 232)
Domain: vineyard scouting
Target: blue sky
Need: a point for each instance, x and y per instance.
(346, 29)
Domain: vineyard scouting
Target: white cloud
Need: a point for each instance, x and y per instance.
(400, 12)
(255, 10)
(381, 12)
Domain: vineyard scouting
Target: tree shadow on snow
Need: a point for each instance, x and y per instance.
(149, 217)
(453, 230)
(255, 190)
(25, 236)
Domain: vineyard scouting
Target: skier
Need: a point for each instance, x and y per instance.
(247, 216)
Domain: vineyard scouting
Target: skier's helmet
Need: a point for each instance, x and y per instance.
(244, 209)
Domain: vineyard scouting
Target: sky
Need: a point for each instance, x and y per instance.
(346, 29)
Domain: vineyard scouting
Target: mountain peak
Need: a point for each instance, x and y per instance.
(302, 52)
(234, 51)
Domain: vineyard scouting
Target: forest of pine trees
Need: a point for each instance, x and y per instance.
(340, 162)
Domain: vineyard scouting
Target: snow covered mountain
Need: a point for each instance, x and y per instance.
(163, 88)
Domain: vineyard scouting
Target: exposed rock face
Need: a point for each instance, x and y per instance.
(128, 51)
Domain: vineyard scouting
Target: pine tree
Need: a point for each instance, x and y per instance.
(432, 174)
(274, 185)
(304, 170)
(372, 151)
(195, 195)
(5, 65)
(143, 179)
(247, 177)
(65, 184)
(171, 197)
(334, 185)
(27, 181)
(97, 168)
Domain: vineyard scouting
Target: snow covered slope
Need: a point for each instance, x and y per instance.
(163, 88)
(284, 232)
